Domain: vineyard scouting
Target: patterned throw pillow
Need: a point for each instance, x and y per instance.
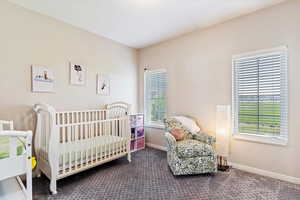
(171, 123)
(178, 134)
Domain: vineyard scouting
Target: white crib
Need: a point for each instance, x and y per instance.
(15, 164)
(72, 141)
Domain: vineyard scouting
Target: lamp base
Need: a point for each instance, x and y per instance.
(222, 164)
(223, 168)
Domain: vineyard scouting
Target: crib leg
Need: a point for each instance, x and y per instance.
(129, 157)
(53, 187)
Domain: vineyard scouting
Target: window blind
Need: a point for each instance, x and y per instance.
(155, 96)
(260, 92)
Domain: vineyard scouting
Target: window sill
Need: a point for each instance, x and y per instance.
(261, 139)
(156, 126)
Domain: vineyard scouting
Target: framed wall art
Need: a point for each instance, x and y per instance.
(77, 74)
(42, 79)
(103, 84)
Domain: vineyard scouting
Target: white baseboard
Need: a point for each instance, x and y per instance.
(262, 172)
(155, 146)
(253, 170)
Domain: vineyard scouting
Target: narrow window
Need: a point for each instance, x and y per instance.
(155, 97)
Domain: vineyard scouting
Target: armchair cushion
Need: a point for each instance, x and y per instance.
(193, 148)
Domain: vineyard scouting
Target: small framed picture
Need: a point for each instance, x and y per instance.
(42, 79)
(103, 84)
(77, 74)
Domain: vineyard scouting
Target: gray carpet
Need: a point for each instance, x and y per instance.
(148, 177)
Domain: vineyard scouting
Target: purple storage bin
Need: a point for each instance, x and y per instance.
(140, 132)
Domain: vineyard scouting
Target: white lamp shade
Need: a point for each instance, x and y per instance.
(223, 118)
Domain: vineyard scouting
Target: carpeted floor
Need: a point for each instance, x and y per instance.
(148, 177)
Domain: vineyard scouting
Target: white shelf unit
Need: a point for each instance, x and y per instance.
(137, 132)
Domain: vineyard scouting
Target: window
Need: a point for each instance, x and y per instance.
(155, 97)
(260, 93)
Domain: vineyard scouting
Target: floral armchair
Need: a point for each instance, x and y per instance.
(194, 154)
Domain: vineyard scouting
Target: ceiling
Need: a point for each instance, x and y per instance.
(140, 23)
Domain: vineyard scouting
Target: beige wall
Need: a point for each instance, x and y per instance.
(199, 70)
(28, 38)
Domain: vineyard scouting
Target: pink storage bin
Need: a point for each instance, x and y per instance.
(140, 143)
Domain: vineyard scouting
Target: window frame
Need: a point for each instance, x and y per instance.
(153, 124)
(276, 140)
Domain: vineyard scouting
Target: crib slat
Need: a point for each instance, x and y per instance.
(121, 129)
(95, 137)
(123, 141)
(99, 140)
(75, 144)
(76, 140)
(92, 141)
(117, 135)
(81, 140)
(86, 139)
(95, 141)
(124, 134)
(108, 139)
(63, 149)
(113, 137)
(127, 134)
(103, 140)
(119, 143)
(116, 138)
(68, 144)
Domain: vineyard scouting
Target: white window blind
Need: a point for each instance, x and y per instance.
(260, 93)
(155, 96)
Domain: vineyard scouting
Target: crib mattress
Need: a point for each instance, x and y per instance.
(105, 144)
(4, 147)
